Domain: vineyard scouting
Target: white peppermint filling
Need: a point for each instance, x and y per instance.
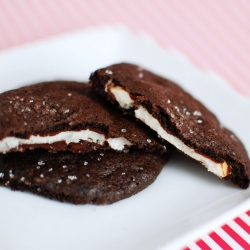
(10, 143)
(122, 97)
(118, 143)
(125, 101)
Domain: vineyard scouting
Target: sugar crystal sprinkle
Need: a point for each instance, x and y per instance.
(42, 175)
(148, 140)
(39, 189)
(72, 177)
(64, 166)
(38, 167)
(22, 179)
(140, 75)
(177, 108)
(88, 175)
(99, 159)
(123, 130)
(51, 169)
(41, 163)
(197, 113)
(59, 180)
(109, 72)
(199, 121)
(101, 154)
(69, 94)
(85, 163)
(1, 175)
(123, 173)
(169, 101)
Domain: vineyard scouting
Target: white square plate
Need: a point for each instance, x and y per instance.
(183, 198)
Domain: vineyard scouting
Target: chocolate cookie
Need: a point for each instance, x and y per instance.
(67, 115)
(177, 117)
(96, 177)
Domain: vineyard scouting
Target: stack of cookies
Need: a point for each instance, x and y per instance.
(106, 140)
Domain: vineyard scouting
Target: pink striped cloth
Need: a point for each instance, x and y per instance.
(212, 34)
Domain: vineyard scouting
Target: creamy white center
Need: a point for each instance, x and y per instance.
(122, 97)
(10, 143)
(125, 101)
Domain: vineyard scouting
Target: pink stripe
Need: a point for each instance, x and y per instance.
(202, 244)
(220, 241)
(236, 237)
(186, 248)
(242, 224)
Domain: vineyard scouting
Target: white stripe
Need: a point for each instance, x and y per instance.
(245, 218)
(239, 231)
(230, 241)
(211, 243)
(193, 246)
